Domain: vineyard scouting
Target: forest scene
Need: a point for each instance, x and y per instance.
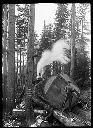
(46, 77)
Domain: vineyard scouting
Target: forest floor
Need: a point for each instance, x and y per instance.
(77, 117)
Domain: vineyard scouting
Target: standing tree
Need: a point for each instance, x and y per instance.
(73, 42)
(5, 51)
(61, 21)
(61, 29)
(45, 38)
(46, 43)
(21, 34)
(82, 61)
(11, 59)
(30, 64)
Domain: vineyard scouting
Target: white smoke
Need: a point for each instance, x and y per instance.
(57, 53)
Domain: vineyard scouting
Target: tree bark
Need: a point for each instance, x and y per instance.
(30, 68)
(20, 67)
(17, 65)
(11, 59)
(72, 42)
(5, 55)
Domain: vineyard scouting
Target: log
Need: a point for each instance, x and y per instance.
(54, 91)
(70, 119)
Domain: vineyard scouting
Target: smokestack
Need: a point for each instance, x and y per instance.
(57, 53)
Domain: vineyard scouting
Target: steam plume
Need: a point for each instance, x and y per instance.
(55, 54)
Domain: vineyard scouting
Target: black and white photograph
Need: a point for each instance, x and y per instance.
(46, 65)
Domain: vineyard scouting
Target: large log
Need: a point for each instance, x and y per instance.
(55, 91)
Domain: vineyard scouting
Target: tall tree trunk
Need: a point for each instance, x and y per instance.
(82, 40)
(23, 60)
(82, 28)
(54, 70)
(44, 28)
(17, 65)
(23, 71)
(72, 42)
(5, 55)
(11, 59)
(30, 64)
(20, 67)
